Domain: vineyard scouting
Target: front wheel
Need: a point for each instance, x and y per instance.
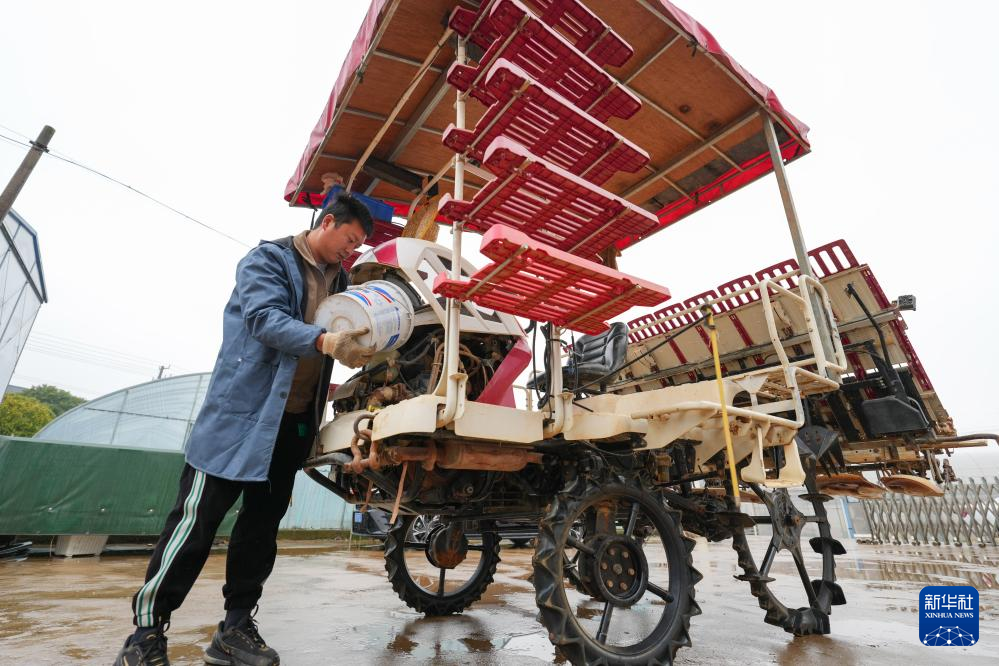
(437, 571)
(614, 577)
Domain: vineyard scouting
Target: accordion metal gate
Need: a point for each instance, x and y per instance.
(967, 514)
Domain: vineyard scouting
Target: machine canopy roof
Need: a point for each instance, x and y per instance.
(700, 117)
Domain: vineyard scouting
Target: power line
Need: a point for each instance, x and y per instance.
(94, 359)
(91, 360)
(99, 355)
(11, 129)
(56, 346)
(68, 160)
(15, 141)
(19, 378)
(151, 198)
(85, 347)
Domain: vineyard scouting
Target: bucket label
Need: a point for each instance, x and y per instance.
(385, 294)
(388, 318)
(357, 296)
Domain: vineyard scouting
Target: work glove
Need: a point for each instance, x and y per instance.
(343, 347)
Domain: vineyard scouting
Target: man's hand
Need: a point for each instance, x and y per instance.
(343, 347)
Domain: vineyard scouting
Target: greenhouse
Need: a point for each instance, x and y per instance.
(23, 290)
(155, 415)
(136, 432)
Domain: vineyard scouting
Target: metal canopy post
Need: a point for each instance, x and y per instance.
(452, 382)
(557, 399)
(800, 248)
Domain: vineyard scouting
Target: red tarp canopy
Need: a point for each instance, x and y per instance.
(700, 118)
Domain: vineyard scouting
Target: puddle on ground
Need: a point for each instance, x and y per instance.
(326, 603)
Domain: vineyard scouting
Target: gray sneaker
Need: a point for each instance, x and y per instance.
(240, 646)
(150, 650)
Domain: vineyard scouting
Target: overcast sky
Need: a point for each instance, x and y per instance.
(208, 106)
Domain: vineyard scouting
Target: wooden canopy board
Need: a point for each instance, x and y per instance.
(699, 118)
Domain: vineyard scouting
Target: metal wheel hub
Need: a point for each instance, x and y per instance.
(447, 546)
(788, 521)
(620, 570)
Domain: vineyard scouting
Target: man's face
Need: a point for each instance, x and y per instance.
(333, 243)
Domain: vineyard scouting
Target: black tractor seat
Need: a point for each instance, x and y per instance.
(593, 357)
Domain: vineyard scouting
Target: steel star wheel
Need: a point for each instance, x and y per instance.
(613, 576)
(437, 570)
(807, 601)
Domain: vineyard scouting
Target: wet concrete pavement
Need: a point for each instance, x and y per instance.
(325, 605)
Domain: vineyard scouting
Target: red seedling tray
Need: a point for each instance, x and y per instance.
(583, 28)
(533, 280)
(549, 59)
(548, 203)
(548, 126)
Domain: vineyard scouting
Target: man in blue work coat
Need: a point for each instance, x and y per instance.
(258, 424)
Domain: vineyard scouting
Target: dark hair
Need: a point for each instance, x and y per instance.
(345, 208)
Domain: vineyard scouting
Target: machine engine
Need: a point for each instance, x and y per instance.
(493, 350)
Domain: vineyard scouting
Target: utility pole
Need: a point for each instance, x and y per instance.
(38, 146)
(162, 368)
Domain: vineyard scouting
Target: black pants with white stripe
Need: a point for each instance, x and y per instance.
(202, 503)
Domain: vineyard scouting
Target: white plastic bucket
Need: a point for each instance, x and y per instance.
(380, 306)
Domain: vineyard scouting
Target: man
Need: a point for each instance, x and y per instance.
(257, 426)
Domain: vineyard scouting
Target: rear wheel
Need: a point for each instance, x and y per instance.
(613, 576)
(435, 568)
(797, 590)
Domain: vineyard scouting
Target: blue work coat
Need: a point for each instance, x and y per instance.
(263, 336)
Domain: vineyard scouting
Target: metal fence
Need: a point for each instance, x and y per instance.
(967, 514)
